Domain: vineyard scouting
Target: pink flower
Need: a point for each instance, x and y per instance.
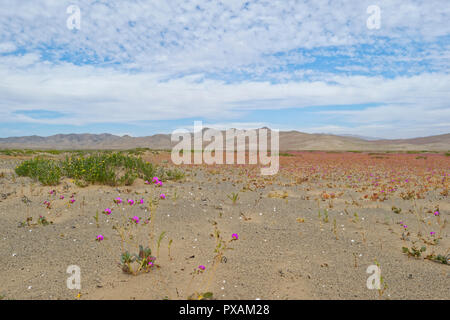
(235, 236)
(436, 213)
(162, 196)
(202, 267)
(118, 200)
(107, 211)
(130, 202)
(135, 219)
(141, 201)
(160, 183)
(61, 197)
(72, 200)
(150, 264)
(155, 180)
(100, 237)
(432, 233)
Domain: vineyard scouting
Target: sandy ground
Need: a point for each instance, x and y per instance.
(285, 249)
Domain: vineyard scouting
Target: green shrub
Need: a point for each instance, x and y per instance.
(47, 172)
(174, 174)
(108, 168)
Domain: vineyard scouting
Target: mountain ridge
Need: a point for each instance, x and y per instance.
(289, 140)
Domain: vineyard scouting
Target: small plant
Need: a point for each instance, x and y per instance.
(96, 219)
(414, 252)
(199, 296)
(396, 210)
(233, 197)
(26, 222)
(325, 215)
(221, 247)
(161, 236)
(144, 261)
(168, 248)
(383, 285)
(439, 258)
(133, 228)
(43, 221)
(335, 229)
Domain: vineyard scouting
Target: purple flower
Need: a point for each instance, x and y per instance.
(432, 233)
(141, 201)
(100, 237)
(436, 213)
(235, 236)
(130, 202)
(150, 264)
(135, 219)
(202, 267)
(160, 183)
(72, 200)
(162, 196)
(118, 200)
(61, 197)
(155, 180)
(107, 211)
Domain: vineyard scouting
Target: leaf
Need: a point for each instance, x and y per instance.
(207, 295)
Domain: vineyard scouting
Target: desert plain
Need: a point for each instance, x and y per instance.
(309, 232)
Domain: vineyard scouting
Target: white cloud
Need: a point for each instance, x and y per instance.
(175, 36)
(6, 47)
(157, 60)
(89, 95)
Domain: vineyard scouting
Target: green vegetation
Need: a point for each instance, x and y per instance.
(286, 154)
(47, 172)
(100, 168)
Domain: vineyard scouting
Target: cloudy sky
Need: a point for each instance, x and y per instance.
(144, 67)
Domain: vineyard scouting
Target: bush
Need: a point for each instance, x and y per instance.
(101, 168)
(110, 169)
(47, 172)
(174, 174)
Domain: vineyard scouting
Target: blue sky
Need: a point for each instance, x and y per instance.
(145, 67)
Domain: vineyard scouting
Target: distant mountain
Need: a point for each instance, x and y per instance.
(359, 137)
(289, 140)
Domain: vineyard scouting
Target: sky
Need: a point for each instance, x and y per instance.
(146, 67)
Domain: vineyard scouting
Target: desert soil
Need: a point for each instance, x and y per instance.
(286, 250)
